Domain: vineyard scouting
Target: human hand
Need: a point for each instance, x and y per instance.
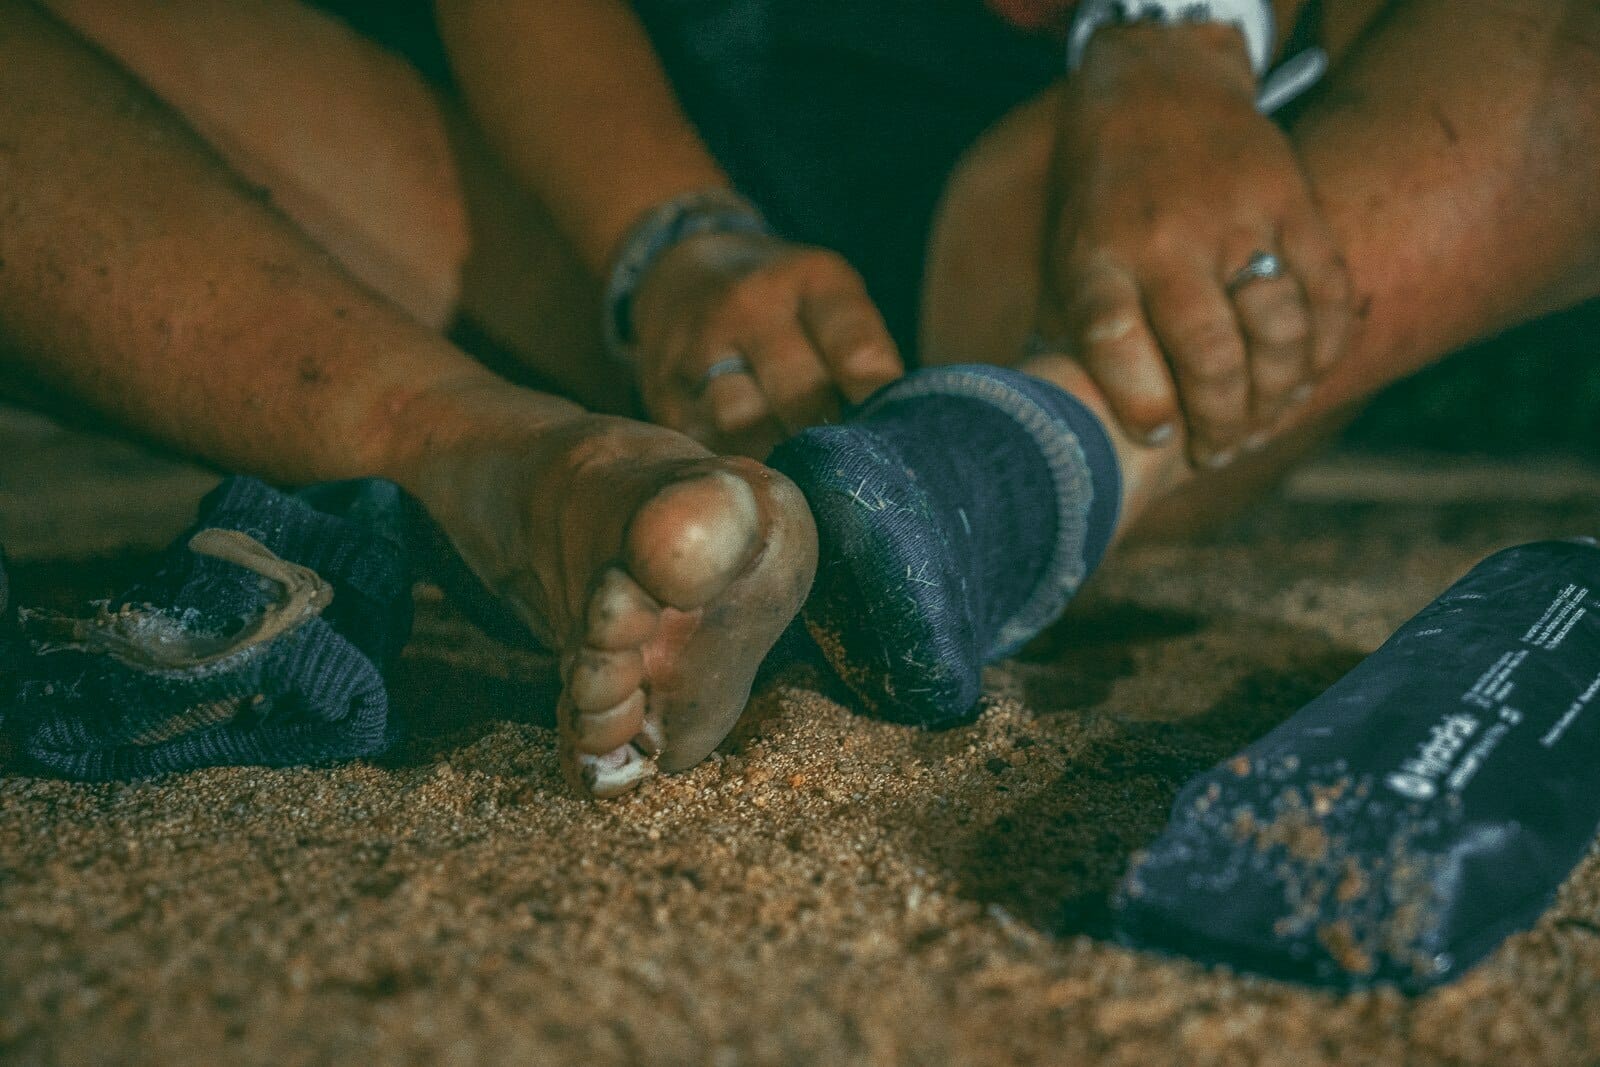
(745, 339)
(1167, 184)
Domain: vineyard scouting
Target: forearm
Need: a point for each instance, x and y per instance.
(574, 99)
(1455, 156)
(139, 278)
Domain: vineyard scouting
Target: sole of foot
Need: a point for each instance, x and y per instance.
(661, 574)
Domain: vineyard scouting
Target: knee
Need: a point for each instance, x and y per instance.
(1570, 138)
(1012, 157)
(347, 140)
(981, 277)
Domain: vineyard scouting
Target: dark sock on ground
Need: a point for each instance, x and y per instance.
(309, 694)
(958, 512)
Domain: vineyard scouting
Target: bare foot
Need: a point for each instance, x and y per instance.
(661, 573)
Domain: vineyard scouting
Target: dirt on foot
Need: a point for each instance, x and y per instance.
(660, 573)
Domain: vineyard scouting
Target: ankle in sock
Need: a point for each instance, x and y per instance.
(958, 511)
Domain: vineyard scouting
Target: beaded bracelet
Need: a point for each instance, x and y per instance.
(702, 211)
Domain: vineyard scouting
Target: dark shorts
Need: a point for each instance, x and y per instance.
(842, 119)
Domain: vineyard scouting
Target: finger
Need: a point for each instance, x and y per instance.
(733, 402)
(1194, 321)
(757, 443)
(734, 418)
(1309, 247)
(791, 373)
(846, 328)
(761, 318)
(1109, 334)
(1277, 331)
(667, 400)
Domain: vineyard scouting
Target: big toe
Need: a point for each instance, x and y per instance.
(694, 537)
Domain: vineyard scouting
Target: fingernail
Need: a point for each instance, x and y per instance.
(1160, 435)
(1257, 441)
(1217, 460)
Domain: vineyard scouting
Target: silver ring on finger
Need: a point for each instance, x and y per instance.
(1261, 267)
(734, 364)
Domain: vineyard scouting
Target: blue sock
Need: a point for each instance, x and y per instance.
(958, 512)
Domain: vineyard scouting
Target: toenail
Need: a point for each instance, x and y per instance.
(615, 772)
(1218, 460)
(1160, 435)
(1302, 393)
(1257, 441)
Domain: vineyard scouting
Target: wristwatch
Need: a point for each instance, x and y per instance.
(1254, 19)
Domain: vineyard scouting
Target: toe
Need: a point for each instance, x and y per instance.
(599, 732)
(620, 615)
(602, 680)
(692, 538)
(615, 772)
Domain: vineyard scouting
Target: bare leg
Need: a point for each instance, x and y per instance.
(1453, 152)
(360, 154)
(140, 277)
(344, 136)
(527, 289)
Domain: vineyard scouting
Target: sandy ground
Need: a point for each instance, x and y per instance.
(828, 890)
